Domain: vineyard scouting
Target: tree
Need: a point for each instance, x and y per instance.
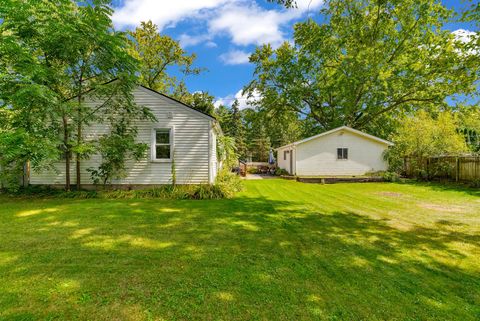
(237, 130)
(63, 88)
(423, 136)
(157, 54)
(369, 60)
(469, 118)
(201, 101)
(223, 114)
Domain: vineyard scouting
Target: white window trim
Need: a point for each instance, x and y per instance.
(153, 144)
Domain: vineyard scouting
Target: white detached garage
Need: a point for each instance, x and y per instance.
(343, 151)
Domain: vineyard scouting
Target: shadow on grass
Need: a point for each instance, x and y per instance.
(241, 259)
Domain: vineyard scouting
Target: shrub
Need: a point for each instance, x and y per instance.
(391, 177)
(252, 170)
(229, 183)
(226, 186)
(475, 183)
(281, 172)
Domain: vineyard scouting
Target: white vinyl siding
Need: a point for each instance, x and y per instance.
(283, 159)
(319, 157)
(190, 147)
(213, 152)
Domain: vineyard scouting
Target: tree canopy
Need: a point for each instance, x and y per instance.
(370, 59)
(157, 55)
(44, 85)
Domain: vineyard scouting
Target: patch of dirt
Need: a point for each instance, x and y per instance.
(443, 208)
(390, 194)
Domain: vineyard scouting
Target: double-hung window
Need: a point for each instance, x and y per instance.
(162, 144)
(342, 153)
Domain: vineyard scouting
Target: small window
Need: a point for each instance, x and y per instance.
(285, 153)
(342, 153)
(162, 144)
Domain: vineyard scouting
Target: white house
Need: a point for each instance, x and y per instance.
(343, 151)
(180, 134)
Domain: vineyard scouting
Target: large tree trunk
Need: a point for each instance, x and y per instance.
(67, 153)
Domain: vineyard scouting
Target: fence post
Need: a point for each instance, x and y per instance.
(477, 164)
(457, 169)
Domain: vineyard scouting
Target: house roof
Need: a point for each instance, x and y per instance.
(345, 128)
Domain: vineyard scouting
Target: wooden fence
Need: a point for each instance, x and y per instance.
(462, 168)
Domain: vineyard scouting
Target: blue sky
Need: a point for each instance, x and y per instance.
(224, 32)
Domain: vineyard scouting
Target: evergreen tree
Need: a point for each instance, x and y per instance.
(237, 130)
(261, 145)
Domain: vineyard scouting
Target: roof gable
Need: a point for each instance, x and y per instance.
(176, 102)
(156, 93)
(345, 128)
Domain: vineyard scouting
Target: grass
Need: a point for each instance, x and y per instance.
(280, 250)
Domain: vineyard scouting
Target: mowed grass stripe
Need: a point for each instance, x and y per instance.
(280, 250)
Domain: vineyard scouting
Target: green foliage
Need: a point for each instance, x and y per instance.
(226, 186)
(475, 183)
(228, 183)
(469, 118)
(370, 59)
(232, 122)
(157, 54)
(281, 172)
(260, 144)
(201, 101)
(39, 77)
(422, 137)
(17, 147)
(227, 151)
(389, 176)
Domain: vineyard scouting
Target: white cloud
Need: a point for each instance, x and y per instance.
(251, 24)
(464, 35)
(235, 57)
(244, 21)
(467, 36)
(187, 40)
(243, 100)
(309, 5)
(161, 12)
(248, 23)
(211, 44)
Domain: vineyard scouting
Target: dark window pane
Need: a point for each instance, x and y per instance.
(163, 136)
(339, 153)
(163, 151)
(345, 153)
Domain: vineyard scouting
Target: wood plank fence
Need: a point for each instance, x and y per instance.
(461, 168)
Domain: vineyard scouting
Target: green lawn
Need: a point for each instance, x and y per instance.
(281, 250)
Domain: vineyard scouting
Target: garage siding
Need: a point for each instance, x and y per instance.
(318, 156)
